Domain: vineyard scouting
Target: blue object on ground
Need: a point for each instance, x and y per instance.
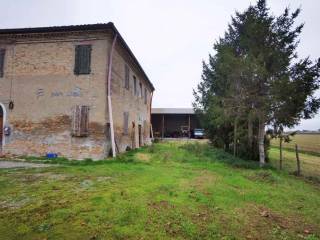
(52, 155)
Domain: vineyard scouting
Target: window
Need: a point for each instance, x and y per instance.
(126, 76)
(135, 85)
(145, 95)
(80, 121)
(82, 59)
(140, 85)
(2, 54)
(126, 123)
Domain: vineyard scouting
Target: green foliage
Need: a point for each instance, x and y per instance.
(256, 79)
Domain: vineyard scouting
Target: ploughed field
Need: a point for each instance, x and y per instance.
(169, 190)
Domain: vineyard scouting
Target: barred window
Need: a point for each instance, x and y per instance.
(126, 76)
(82, 59)
(2, 54)
(80, 121)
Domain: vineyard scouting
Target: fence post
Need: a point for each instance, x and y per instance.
(298, 161)
(280, 164)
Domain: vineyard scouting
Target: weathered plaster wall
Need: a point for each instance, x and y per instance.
(124, 100)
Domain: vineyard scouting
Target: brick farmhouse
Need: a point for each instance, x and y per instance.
(77, 91)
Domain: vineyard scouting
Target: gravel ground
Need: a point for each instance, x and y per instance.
(16, 164)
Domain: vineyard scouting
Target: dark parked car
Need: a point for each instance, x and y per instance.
(198, 133)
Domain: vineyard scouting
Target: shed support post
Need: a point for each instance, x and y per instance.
(162, 132)
(189, 122)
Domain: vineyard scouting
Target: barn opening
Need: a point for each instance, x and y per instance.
(174, 122)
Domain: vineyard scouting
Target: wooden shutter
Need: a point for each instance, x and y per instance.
(145, 95)
(80, 121)
(126, 77)
(2, 55)
(82, 63)
(126, 123)
(134, 85)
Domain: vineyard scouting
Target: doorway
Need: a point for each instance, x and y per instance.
(1, 126)
(140, 135)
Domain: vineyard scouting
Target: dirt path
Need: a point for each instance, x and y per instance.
(16, 164)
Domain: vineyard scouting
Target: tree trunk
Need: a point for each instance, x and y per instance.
(280, 163)
(250, 135)
(261, 134)
(235, 137)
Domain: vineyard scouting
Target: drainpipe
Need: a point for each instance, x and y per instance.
(150, 109)
(113, 145)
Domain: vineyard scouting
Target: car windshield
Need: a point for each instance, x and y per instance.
(198, 130)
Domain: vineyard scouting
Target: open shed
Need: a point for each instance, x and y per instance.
(174, 122)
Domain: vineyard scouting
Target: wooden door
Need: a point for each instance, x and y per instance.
(140, 135)
(1, 128)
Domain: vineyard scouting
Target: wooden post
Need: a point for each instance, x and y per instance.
(189, 133)
(162, 132)
(280, 163)
(298, 161)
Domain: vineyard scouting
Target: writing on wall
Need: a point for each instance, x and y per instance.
(75, 92)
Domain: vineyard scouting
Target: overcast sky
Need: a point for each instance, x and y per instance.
(170, 38)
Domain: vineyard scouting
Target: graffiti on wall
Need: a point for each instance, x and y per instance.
(75, 92)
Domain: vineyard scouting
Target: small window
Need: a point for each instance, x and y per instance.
(145, 95)
(126, 123)
(2, 54)
(80, 121)
(126, 76)
(82, 59)
(140, 85)
(135, 85)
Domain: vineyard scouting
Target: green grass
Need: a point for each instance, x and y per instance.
(166, 191)
(309, 143)
(310, 163)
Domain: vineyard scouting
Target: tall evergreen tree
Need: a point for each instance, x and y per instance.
(256, 79)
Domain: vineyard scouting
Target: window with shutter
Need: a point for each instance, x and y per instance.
(2, 54)
(141, 95)
(80, 121)
(126, 123)
(134, 85)
(126, 77)
(145, 95)
(82, 63)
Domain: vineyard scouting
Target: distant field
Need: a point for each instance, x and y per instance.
(306, 142)
(310, 163)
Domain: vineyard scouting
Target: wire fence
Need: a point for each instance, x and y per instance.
(297, 161)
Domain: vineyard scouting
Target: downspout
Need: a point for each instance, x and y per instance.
(150, 109)
(113, 145)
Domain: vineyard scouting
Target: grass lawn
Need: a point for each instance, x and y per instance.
(166, 191)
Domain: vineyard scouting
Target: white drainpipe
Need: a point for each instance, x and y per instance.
(113, 145)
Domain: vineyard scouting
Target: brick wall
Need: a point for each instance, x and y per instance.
(39, 77)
